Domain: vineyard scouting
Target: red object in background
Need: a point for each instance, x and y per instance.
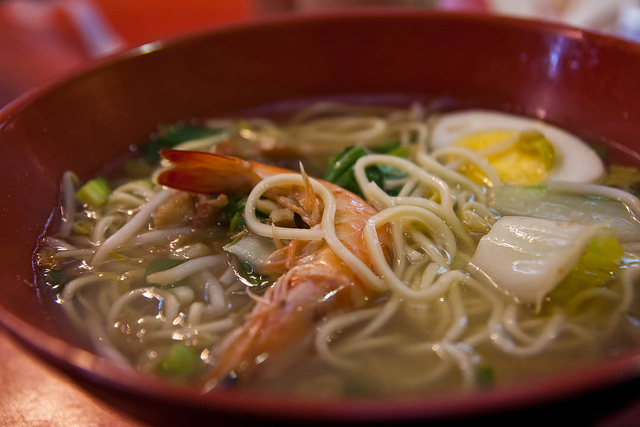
(142, 21)
(36, 42)
(41, 40)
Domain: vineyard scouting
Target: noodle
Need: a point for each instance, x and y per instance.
(166, 277)
(126, 232)
(427, 321)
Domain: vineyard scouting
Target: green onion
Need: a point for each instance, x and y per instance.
(485, 376)
(180, 364)
(94, 193)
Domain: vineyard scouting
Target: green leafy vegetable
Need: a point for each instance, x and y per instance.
(340, 168)
(181, 363)
(94, 193)
(596, 268)
(235, 209)
(237, 222)
(343, 163)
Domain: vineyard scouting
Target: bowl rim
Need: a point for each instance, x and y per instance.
(95, 64)
(99, 371)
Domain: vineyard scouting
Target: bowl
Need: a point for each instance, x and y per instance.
(582, 81)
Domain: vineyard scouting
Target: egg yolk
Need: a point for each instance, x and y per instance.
(520, 158)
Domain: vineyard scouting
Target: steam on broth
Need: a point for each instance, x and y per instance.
(453, 251)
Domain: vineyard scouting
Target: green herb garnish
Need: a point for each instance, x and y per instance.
(340, 168)
(181, 363)
(485, 376)
(94, 193)
(235, 211)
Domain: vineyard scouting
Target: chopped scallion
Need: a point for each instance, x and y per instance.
(94, 193)
(180, 364)
(485, 376)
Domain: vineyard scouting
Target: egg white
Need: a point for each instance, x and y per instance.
(575, 161)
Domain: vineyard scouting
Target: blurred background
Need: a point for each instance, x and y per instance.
(41, 39)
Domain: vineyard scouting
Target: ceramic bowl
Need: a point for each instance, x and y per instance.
(585, 82)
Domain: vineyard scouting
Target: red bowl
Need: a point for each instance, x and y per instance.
(585, 82)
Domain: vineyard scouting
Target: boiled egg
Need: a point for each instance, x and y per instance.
(523, 151)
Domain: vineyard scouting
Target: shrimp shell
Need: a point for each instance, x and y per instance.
(317, 284)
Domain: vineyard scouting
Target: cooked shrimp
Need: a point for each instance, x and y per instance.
(326, 273)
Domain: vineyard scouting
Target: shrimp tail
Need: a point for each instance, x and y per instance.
(277, 330)
(207, 173)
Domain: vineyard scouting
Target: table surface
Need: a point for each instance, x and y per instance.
(36, 394)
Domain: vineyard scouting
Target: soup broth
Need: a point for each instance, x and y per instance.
(451, 251)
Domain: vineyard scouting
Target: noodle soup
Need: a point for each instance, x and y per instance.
(448, 251)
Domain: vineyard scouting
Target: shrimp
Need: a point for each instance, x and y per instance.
(315, 282)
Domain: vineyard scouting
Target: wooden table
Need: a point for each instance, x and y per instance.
(33, 393)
